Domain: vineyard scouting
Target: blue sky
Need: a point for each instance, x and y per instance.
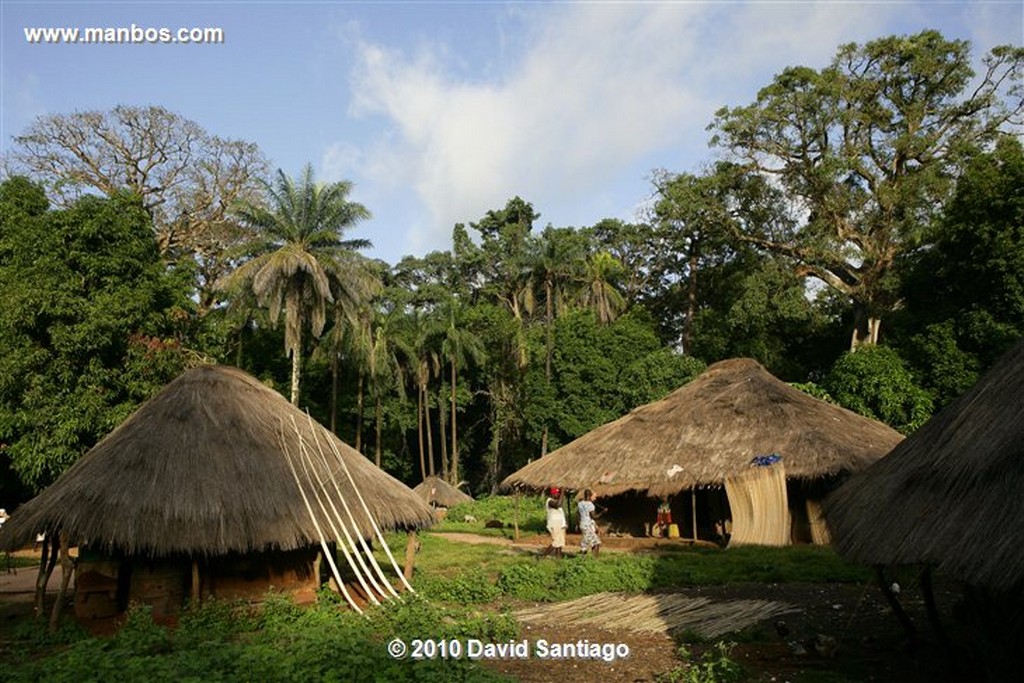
(440, 111)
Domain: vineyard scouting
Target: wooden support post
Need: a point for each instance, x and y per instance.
(515, 519)
(67, 568)
(928, 592)
(316, 569)
(195, 593)
(693, 510)
(896, 607)
(410, 555)
(46, 564)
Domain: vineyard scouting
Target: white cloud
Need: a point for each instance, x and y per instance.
(599, 91)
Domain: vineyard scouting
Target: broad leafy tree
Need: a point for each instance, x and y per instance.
(88, 324)
(965, 294)
(865, 150)
(187, 179)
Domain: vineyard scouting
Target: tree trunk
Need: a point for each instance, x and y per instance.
(296, 369)
(866, 328)
(334, 393)
(691, 301)
(429, 435)
(442, 436)
(295, 377)
(548, 351)
(359, 412)
(238, 349)
(378, 418)
(455, 443)
(419, 432)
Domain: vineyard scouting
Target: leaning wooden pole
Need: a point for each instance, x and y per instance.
(896, 607)
(67, 568)
(410, 555)
(46, 564)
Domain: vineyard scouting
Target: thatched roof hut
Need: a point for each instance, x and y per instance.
(201, 469)
(707, 433)
(436, 491)
(948, 496)
(709, 430)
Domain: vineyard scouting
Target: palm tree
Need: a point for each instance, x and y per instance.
(459, 346)
(599, 293)
(385, 369)
(422, 337)
(298, 261)
(558, 265)
(343, 340)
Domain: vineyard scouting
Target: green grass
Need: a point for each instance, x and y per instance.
(473, 573)
(17, 562)
(500, 508)
(463, 591)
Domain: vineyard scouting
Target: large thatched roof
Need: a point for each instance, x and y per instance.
(203, 468)
(708, 430)
(950, 494)
(435, 490)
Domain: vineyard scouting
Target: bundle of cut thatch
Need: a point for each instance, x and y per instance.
(436, 491)
(709, 430)
(949, 495)
(205, 468)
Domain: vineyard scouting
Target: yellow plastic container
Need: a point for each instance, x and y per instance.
(673, 531)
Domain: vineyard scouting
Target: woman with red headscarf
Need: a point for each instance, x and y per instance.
(556, 522)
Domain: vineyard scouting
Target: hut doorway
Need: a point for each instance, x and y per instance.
(635, 513)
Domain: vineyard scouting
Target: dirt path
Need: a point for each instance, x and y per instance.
(19, 582)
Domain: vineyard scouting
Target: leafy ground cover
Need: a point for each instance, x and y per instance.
(470, 590)
(278, 642)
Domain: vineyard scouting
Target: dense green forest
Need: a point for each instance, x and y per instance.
(860, 232)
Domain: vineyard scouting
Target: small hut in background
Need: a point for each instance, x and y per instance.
(949, 497)
(204, 491)
(736, 447)
(440, 495)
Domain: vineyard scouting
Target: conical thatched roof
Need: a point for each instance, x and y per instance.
(711, 429)
(203, 468)
(950, 494)
(436, 491)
